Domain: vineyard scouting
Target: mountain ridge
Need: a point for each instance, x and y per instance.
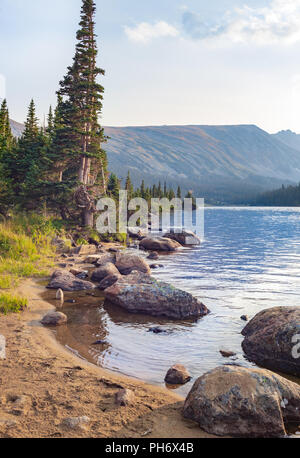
(215, 161)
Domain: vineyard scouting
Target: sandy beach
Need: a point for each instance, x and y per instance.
(42, 384)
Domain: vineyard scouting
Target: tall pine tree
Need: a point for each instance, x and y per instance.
(80, 110)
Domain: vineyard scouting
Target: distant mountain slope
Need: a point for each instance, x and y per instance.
(288, 138)
(220, 162)
(17, 128)
(208, 159)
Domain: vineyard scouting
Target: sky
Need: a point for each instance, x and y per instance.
(167, 62)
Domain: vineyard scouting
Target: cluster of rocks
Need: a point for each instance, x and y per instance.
(126, 281)
(230, 400)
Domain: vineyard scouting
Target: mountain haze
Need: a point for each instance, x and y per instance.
(218, 162)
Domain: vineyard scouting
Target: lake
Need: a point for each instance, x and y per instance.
(248, 261)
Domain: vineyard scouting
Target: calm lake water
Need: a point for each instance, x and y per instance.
(249, 261)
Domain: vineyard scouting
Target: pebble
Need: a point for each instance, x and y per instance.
(2, 347)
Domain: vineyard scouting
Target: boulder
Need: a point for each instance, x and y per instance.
(184, 238)
(125, 397)
(109, 281)
(100, 259)
(126, 263)
(177, 375)
(104, 271)
(140, 293)
(83, 250)
(54, 319)
(159, 244)
(62, 279)
(271, 339)
(241, 402)
(82, 274)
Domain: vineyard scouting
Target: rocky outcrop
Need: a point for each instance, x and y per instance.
(62, 279)
(140, 293)
(104, 271)
(240, 402)
(185, 237)
(271, 339)
(159, 244)
(177, 375)
(54, 319)
(127, 263)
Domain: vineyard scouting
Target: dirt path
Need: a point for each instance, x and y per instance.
(41, 384)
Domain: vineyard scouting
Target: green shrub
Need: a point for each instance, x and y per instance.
(12, 304)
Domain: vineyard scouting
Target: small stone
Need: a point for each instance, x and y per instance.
(125, 397)
(100, 342)
(54, 319)
(157, 330)
(62, 265)
(2, 347)
(7, 423)
(154, 256)
(244, 318)
(227, 354)
(60, 295)
(154, 266)
(177, 375)
(76, 422)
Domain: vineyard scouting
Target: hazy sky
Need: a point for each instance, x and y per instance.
(166, 61)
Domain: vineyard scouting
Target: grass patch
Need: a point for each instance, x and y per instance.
(12, 304)
(25, 250)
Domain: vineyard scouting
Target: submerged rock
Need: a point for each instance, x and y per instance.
(271, 339)
(126, 263)
(106, 270)
(62, 279)
(153, 256)
(185, 237)
(241, 402)
(177, 375)
(140, 293)
(54, 319)
(227, 354)
(159, 244)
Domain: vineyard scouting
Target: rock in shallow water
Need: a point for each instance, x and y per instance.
(140, 293)
(241, 402)
(104, 271)
(54, 319)
(62, 279)
(185, 237)
(271, 339)
(177, 375)
(159, 244)
(126, 263)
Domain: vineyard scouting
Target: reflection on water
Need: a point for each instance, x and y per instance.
(248, 261)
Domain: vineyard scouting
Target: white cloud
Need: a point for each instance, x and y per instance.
(145, 32)
(278, 22)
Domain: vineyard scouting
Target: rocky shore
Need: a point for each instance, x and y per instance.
(229, 401)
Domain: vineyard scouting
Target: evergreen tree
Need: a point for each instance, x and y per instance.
(113, 186)
(129, 187)
(178, 192)
(6, 137)
(27, 162)
(6, 143)
(79, 111)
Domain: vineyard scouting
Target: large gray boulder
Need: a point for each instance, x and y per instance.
(240, 402)
(140, 293)
(126, 263)
(185, 237)
(159, 244)
(66, 281)
(272, 339)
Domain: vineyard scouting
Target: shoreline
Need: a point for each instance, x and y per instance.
(56, 384)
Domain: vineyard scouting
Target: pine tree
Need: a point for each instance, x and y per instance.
(80, 109)
(7, 141)
(6, 137)
(129, 187)
(113, 186)
(178, 192)
(27, 162)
